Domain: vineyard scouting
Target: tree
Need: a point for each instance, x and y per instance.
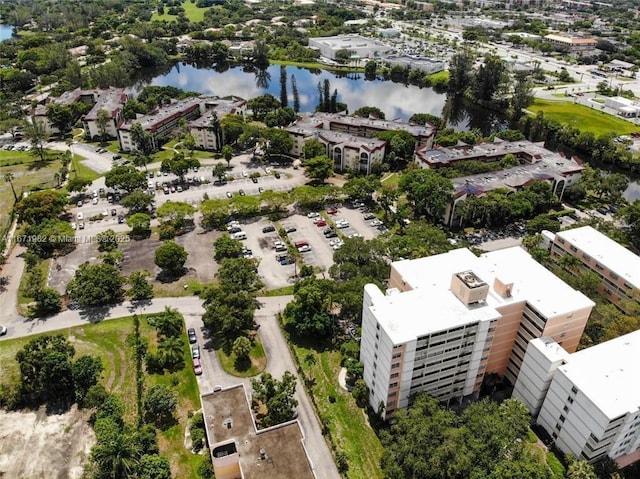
(296, 96)
(41, 205)
(153, 466)
(242, 348)
(175, 213)
(227, 247)
(220, 172)
(45, 369)
(160, 404)
(580, 469)
(169, 323)
(308, 313)
(631, 214)
(171, 257)
(358, 257)
(543, 222)
(48, 302)
(280, 117)
(237, 274)
(370, 69)
(78, 183)
(96, 285)
(141, 160)
(232, 128)
(276, 396)
(171, 350)
(137, 201)
(103, 120)
(278, 142)
(8, 178)
(367, 111)
(361, 393)
(313, 147)
(179, 165)
(142, 139)
(319, 168)
(107, 240)
(48, 237)
(361, 187)
(460, 73)
(521, 98)
(140, 287)
(37, 135)
(140, 225)
(125, 177)
(228, 313)
(401, 145)
(117, 456)
(227, 154)
(60, 117)
(429, 192)
(262, 105)
(86, 371)
(489, 80)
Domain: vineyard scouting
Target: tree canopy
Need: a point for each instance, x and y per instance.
(170, 256)
(428, 192)
(96, 285)
(276, 396)
(125, 177)
(41, 205)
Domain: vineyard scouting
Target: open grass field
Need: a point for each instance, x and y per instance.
(81, 170)
(347, 422)
(191, 11)
(108, 340)
(28, 172)
(583, 117)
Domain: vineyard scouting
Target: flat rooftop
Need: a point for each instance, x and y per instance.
(109, 100)
(351, 141)
(608, 374)
(151, 120)
(430, 278)
(352, 41)
(606, 251)
(286, 457)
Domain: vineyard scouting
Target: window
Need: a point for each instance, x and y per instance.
(396, 355)
(554, 435)
(570, 400)
(613, 275)
(393, 394)
(573, 248)
(558, 427)
(393, 385)
(565, 409)
(562, 418)
(378, 326)
(599, 266)
(574, 390)
(395, 375)
(395, 365)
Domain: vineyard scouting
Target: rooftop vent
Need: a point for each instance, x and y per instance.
(469, 288)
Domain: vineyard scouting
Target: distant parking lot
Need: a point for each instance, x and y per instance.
(321, 254)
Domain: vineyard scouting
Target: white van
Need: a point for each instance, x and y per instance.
(240, 235)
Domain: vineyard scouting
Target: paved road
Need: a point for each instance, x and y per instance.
(278, 357)
(12, 271)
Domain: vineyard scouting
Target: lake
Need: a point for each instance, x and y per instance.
(394, 99)
(6, 31)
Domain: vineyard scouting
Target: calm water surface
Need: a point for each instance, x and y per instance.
(5, 32)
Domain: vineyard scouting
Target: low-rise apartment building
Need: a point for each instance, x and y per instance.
(448, 320)
(205, 133)
(574, 44)
(90, 97)
(160, 123)
(536, 164)
(617, 267)
(358, 46)
(111, 101)
(588, 401)
(351, 141)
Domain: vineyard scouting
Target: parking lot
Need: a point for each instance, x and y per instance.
(359, 225)
(321, 253)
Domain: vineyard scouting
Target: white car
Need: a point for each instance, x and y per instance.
(74, 226)
(355, 235)
(304, 249)
(245, 174)
(105, 213)
(313, 214)
(80, 216)
(376, 223)
(94, 201)
(342, 224)
(3, 330)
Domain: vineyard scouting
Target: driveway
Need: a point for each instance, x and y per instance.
(278, 357)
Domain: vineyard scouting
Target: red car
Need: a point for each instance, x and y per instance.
(332, 211)
(321, 223)
(197, 367)
(299, 244)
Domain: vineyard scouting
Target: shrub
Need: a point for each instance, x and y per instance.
(166, 232)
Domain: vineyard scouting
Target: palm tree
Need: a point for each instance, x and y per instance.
(171, 349)
(8, 178)
(117, 457)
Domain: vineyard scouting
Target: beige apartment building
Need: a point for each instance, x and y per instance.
(617, 267)
(448, 320)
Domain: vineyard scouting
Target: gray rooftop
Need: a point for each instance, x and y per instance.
(110, 100)
(149, 121)
(221, 106)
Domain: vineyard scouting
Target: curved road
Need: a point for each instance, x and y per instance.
(278, 357)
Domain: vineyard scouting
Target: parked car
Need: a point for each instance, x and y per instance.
(320, 223)
(80, 216)
(81, 226)
(287, 260)
(94, 201)
(313, 214)
(290, 229)
(602, 210)
(331, 234)
(301, 243)
(229, 194)
(268, 229)
(281, 256)
(195, 351)
(332, 211)
(304, 249)
(197, 367)
(245, 174)
(277, 175)
(254, 179)
(376, 223)
(241, 193)
(260, 189)
(369, 216)
(3, 330)
(191, 332)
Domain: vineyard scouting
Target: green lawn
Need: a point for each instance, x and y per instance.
(258, 362)
(108, 340)
(347, 422)
(284, 291)
(583, 117)
(318, 66)
(191, 11)
(41, 270)
(79, 169)
(28, 172)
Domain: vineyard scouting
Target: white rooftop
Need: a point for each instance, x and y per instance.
(606, 251)
(431, 306)
(608, 374)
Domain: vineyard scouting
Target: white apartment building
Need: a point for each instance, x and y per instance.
(111, 101)
(358, 46)
(447, 320)
(202, 129)
(617, 267)
(589, 401)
